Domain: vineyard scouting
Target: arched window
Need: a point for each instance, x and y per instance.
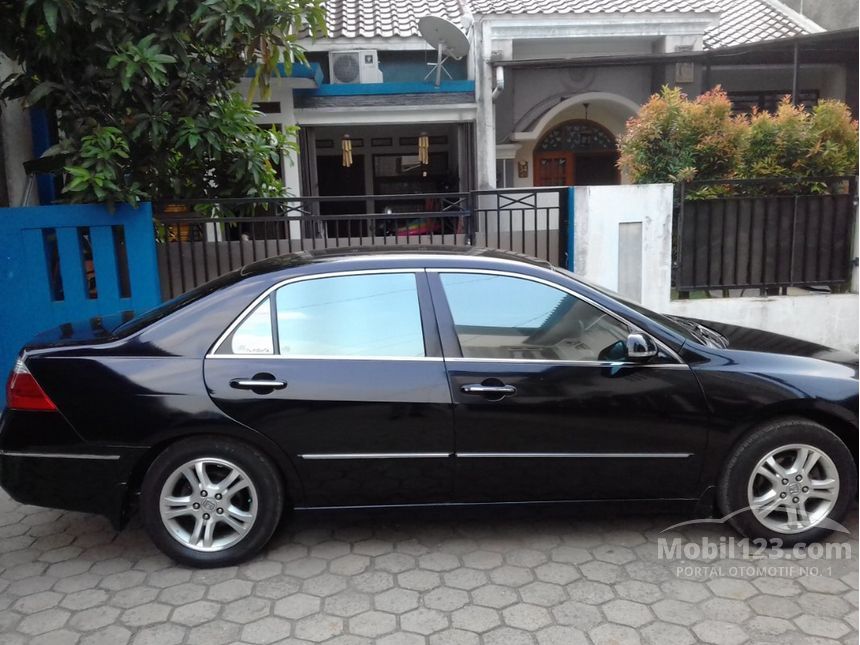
(578, 136)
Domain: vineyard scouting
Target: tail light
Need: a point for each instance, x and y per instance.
(24, 393)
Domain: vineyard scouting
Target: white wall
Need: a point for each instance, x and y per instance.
(827, 319)
(600, 256)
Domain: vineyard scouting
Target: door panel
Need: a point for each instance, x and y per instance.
(344, 372)
(566, 416)
(358, 410)
(577, 432)
(554, 169)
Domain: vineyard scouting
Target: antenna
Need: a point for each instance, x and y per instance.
(448, 41)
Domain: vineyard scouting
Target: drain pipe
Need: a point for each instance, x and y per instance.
(500, 82)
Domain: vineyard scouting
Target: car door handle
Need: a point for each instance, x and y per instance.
(477, 388)
(253, 384)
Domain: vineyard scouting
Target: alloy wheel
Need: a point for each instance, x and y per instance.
(208, 504)
(793, 488)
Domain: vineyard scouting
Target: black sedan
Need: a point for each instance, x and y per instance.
(422, 377)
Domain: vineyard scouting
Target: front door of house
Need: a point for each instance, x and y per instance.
(554, 168)
(576, 152)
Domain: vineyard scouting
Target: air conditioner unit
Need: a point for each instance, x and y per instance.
(353, 67)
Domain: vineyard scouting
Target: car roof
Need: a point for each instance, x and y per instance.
(385, 253)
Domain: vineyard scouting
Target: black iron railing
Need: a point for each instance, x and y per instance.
(200, 239)
(765, 235)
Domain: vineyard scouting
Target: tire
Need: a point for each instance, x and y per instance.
(789, 441)
(243, 514)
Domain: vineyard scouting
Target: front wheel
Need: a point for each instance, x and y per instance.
(211, 502)
(790, 481)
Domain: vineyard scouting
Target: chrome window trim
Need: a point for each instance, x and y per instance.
(574, 455)
(569, 363)
(56, 455)
(330, 357)
(376, 455)
(511, 274)
(331, 274)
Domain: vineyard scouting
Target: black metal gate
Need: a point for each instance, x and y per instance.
(198, 240)
(772, 234)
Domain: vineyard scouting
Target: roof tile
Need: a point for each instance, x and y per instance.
(741, 21)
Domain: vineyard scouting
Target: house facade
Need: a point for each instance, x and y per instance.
(542, 95)
(539, 99)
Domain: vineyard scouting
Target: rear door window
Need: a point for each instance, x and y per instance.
(361, 316)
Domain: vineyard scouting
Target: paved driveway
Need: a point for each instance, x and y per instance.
(401, 580)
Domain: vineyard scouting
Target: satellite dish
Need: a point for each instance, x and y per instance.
(448, 41)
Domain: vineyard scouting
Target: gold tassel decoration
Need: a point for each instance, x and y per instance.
(346, 146)
(424, 149)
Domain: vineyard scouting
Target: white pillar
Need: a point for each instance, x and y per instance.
(485, 127)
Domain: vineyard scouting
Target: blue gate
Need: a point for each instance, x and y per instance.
(67, 264)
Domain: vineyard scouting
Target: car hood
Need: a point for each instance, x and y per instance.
(756, 340)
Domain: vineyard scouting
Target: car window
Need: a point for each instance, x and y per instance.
(254, 335)
(513, 318)
(356, 315)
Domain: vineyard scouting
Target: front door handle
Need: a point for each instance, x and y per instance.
(477, 388)
(253, 384)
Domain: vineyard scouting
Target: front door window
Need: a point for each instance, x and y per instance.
(504, 317)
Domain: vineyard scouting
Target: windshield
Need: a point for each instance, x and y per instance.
(684, 327)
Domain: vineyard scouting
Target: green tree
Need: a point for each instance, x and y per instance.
(145, 90)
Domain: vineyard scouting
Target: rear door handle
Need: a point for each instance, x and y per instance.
(477, 388)
(253, 384)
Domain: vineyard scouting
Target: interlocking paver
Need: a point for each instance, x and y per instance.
(266, 630)
(319, 627)
(527, 617)
(196, 613)
(424, 621)
(347, 603)
(613, 634)
(627, 612)
(561, 635)
(719, 632)
(495, 596)
(372, 624)
(445, 598)
(577, 614)
(68, 578)
(659, 633)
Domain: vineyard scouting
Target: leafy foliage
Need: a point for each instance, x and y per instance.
(797, 143)
(673, 139)
(145, 90)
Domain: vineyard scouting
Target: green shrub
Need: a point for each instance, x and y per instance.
(673, 139)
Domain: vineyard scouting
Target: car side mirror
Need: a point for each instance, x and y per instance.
(640, 347)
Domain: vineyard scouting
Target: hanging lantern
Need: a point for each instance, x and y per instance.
(346, 147)
(424, 149)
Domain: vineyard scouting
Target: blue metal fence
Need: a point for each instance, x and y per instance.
(69, 264)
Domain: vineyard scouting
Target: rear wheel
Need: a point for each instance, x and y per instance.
(790, 481)
(211, 502)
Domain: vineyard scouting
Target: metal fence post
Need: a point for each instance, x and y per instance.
(472, 218)
(565, 207)
(679, 241)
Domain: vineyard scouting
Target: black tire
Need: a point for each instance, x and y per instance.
(260, 471)
(732, 492)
